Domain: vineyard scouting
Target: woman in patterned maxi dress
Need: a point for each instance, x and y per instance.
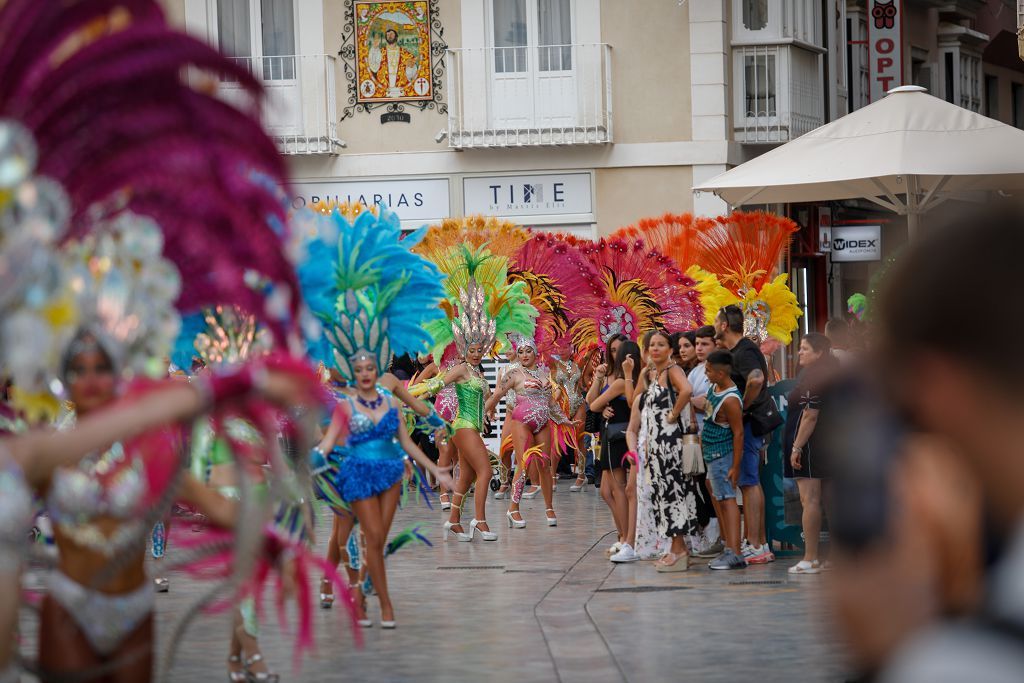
(673, 494)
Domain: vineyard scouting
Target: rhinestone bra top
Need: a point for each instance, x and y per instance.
(365, 429)
(79, 495)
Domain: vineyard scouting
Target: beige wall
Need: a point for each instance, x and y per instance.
(650, 69)
(175, 10)
(625, 195)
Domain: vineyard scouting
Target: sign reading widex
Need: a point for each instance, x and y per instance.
(885, 46)
(856, 243)
(412, 200)
(528, 195)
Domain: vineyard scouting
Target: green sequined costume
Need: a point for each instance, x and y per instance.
(470, 414)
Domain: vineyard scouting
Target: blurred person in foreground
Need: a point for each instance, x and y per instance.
(918, 605)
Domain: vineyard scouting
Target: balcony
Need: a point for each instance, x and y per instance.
(530, 96)
(778, 93)
(300, 111)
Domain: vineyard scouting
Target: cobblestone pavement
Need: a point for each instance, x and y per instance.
(544, 604)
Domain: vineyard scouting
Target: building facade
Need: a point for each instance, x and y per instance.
(585, 115)
(572, 115)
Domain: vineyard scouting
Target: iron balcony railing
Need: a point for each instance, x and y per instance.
(300, 111)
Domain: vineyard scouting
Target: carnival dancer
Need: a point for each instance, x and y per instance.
(534, 411)
(505, 448)
(98, 170)
(328, 239)
(481, 305)
(229, 339)
(569, 377)
(98, 610)
(385, 294)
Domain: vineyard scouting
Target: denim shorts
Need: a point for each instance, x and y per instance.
(718, 474)
(750, 465)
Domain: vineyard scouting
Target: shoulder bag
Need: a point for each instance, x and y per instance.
(692, 459)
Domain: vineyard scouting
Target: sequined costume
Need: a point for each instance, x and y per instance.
(371, 461)
(78, 497)
(534, 402)
(470, 415)
(447, 402)
(567, 376)
(100, 488)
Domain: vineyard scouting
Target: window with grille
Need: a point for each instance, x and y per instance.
(759, 85)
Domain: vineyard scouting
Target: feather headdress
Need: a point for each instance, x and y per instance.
(502, 238)
(125, 292)
(230, 336)
(670, 234)
(482, 307)
(123, 112)
(371, 294)
(744, 250)
(36, 309)
(645, 290)
(562, 285)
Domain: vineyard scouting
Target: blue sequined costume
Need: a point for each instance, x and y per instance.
(371, 461)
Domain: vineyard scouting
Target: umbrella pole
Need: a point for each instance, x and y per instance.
(913, 208)
(913, 223)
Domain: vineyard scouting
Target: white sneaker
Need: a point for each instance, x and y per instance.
(746, 550)
(615, 547)
(625, 554)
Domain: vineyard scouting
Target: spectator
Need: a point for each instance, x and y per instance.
(686, 352)
(760, 418)
(838, 333)
(804, 455)
(943, 384)
(673, 490)
(609, 383)
(710, 543)
(722, 446)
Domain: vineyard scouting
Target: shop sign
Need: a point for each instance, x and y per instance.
(885, 46)
(528, 195)
(413, 200)
(856, 243)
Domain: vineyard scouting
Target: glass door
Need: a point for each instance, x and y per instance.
(261, 35)
(532, 64)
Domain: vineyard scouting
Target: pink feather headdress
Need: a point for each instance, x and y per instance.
(104, 87)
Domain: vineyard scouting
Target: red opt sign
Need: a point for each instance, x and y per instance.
(885, 46)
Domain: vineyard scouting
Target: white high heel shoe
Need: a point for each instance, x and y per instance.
(445, 504)
(578, 487)
(552, 521)
(460, 536)
(474, 528)
(531, 494)
(513, 522)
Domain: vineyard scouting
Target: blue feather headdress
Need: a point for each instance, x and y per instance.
(368, 292)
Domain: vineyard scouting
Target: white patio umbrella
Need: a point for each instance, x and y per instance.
(908, 152)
